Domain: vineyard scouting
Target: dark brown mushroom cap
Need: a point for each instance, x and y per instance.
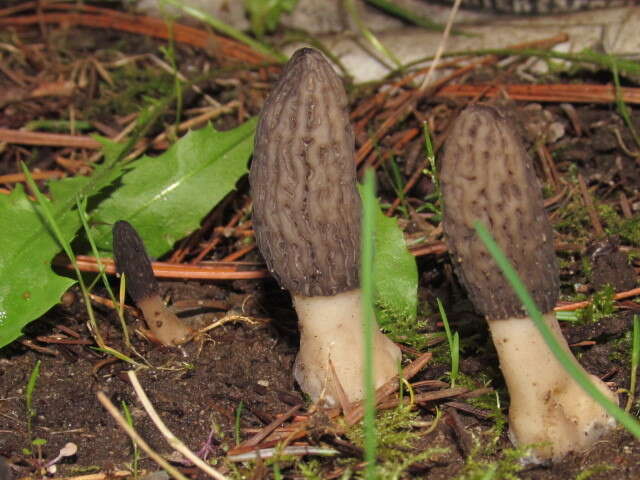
(131, 259)
(306, 208)
(487, 175)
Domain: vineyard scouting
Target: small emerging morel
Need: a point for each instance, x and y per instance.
(488, 176)
(306, 217)
(132, 260)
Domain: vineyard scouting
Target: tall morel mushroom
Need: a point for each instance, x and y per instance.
(306, 217)
(487, 175)
(132, 260)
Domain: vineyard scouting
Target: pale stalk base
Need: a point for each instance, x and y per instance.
(331, 329)
(165, 326)
(546, 406)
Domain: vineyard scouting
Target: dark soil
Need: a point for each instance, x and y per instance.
(196, 389)
(242, 371)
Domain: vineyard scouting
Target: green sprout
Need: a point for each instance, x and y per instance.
(454, 345)
(28, 396)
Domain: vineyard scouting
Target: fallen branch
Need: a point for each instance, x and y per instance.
(212, 271)
(101, 476)
(223, 47)
(568, 93)
(24, 137)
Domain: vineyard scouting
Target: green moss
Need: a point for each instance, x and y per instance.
(132, 88)
(587, 268)
(489, 402)
(505, 468)
(397, 437)
(310, 470)
(403, 328)
(602, 305)
(591, 471)
(84, 470)
(573, 221)
(627, 229)
(395, 432)
(620, 349)
(406, 329)
(394, 470)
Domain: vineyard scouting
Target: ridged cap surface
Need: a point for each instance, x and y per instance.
(487, 175)
(306, 208)
(131, 259)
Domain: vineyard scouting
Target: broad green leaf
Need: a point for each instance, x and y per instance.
(395, 275)
(66, 188)
(29, 287)
(166, 197)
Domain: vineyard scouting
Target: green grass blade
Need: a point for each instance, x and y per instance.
(369, 36)
(227, 30)
(81, 205)
(635, 359)
(454, 344)
(400, 12)
(66, 247)
(28, 395)
(236, 430)
(622, 107)
(567, 362)
(367, 287)
(126, 413)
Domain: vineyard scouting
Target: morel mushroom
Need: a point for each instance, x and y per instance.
(487, 175)
(132, 260)
(306, 217)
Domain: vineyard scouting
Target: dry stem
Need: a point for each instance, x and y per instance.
(173, 441)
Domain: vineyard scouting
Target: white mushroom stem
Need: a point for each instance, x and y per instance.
(331, 328)
(548, 407)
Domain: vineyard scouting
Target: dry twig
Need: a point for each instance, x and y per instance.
(173, 441)
(113, 411)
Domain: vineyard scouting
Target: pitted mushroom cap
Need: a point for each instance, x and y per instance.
(487, 175)
(306, 208)
(131, 259)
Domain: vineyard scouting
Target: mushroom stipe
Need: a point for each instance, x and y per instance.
(131, 259)
(306, 214)
(487, 175)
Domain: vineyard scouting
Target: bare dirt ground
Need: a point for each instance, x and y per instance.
(233, 382)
